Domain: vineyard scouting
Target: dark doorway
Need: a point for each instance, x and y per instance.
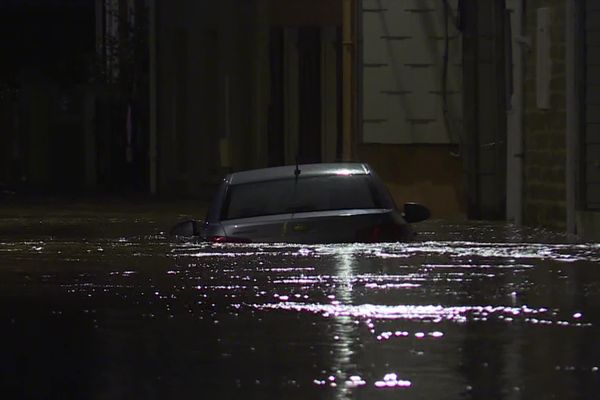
(276, 141)
(309, 129)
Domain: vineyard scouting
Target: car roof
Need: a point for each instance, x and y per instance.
(287, 171)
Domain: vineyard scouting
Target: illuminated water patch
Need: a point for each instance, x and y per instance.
(431, 313)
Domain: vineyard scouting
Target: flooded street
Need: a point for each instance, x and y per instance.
(106, 306)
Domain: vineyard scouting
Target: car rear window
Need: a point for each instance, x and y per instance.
(321, 193)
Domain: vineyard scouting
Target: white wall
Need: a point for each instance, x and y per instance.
(402, 62)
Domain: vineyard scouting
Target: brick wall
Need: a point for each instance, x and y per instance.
(544, 130)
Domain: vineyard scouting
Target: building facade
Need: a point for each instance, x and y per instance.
(482, 109)
(246, 84)
(561, 135)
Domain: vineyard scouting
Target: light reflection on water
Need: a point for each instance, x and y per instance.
(448, 317)
(457, 250)
(432, 313)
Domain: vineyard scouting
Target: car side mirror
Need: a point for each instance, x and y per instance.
(415, 212)
(188, 227)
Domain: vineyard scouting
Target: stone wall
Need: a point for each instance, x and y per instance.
(544, 130)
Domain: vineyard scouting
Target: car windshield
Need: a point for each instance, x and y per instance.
(317, 193)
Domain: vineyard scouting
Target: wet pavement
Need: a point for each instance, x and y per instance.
(97, 303)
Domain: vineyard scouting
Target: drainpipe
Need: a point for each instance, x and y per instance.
(514, 165)
(152, 150)
(572, 109)
(347, 79)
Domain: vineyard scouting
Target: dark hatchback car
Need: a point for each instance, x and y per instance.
(310, 203)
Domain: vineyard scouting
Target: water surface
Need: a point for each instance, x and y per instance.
(105, 306)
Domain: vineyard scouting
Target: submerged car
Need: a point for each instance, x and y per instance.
(309, 203)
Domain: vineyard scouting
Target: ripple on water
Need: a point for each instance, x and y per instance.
(429, 313)
(458, 250)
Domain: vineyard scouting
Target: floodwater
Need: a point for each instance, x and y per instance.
(102, 305)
